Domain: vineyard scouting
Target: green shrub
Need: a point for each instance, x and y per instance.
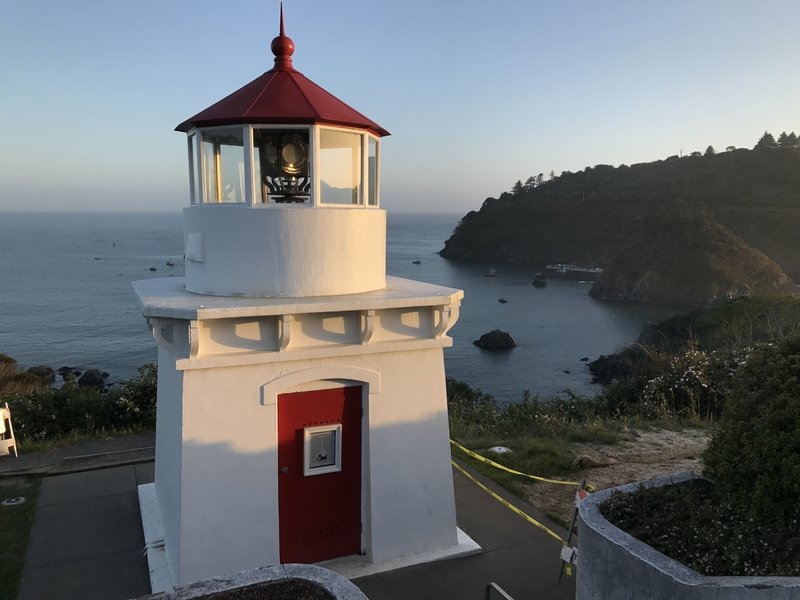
(51, 413)
(691, 524)
(689, 387)
(754, 457)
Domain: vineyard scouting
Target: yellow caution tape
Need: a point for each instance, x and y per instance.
(522, 514)
(477, 456)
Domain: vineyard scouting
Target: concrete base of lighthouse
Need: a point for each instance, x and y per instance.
(225, 367)
(351, 567)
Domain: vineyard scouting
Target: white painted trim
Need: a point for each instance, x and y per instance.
(249, 166)
(194, 339)
(167, 297)
(157, 326)
(336, 467)
(364, 169)
(378, 173)
(315, 185)
(277, 385)
(259, 358)
(161, 579)
(368, 317)
(285, 332)
(354, 567)
(192, 195)
(201, 167)
(313, 144)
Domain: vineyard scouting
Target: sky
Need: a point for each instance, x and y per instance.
(476, 94)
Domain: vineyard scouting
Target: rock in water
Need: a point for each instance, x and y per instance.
(92, 378)
(43, 372)
(495, 340)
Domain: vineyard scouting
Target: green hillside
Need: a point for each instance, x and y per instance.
(680, 256)
(589, 217)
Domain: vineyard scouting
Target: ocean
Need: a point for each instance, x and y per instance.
(66, 300)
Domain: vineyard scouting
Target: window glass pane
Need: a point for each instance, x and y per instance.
(223, 153)
(339, 166)
(282, 166)
(192, 170)
(372, 171)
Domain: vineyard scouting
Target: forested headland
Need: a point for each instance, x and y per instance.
(735, 214)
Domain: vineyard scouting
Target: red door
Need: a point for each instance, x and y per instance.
(319, 474)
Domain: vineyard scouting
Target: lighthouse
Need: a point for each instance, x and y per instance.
(302, 413)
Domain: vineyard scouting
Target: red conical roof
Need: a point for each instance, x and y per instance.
(281, 95)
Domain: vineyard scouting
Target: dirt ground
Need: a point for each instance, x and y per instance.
(641, 455)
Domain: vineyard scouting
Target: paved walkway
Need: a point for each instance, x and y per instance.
(86, 542)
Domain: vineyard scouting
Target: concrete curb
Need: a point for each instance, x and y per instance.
(335, 584)
(613, 565)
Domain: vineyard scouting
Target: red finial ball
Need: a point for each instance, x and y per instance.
(283, 48)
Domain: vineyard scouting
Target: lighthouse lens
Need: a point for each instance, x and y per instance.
(293, 154)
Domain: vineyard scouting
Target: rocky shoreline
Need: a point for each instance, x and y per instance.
(88, 378)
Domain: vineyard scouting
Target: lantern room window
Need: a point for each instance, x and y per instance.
(223, 165)
(340, 166)
(282, 165)
(372, 171)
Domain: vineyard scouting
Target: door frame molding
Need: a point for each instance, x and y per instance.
(284, 382)
(370, 382)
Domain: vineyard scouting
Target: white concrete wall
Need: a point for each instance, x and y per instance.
(169, 417)
(284, 250)
(229, 492)
(412, 505)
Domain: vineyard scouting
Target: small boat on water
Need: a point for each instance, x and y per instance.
(170, 263)
(539, 280)
(502, 300)
(416, 262)
(490, 273)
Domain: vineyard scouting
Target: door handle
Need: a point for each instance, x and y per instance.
(285, 470)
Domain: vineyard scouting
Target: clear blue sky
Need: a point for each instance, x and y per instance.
(476, 94)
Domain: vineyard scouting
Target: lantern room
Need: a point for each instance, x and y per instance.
(283, 143)
(312, 165)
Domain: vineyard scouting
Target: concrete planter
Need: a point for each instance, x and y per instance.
(616, 566)
(336, 585)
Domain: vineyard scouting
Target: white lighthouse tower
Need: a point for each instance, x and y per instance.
(302, 414)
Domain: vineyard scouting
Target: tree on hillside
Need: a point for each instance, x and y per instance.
(787, 141)
(518, 188)
(730, 148)
(710, 151)
(540, 179)
(767, 141)
(552, 174)
(530, 183)
(696, 153)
